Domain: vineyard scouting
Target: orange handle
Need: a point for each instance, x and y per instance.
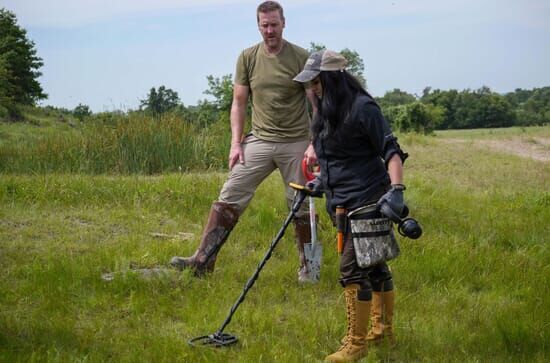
(340, 227)
(340, 245)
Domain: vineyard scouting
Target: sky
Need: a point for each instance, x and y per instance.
(108, 54)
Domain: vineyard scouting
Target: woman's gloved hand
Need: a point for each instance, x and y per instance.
(393, 199)
(314, 187)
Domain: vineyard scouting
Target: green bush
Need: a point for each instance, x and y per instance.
(82, 111)
(414, 117)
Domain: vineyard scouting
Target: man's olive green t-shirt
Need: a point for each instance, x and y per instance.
(279, 109)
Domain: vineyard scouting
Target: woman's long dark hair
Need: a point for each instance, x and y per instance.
(339, 92)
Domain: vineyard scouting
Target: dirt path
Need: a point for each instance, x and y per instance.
(537, 148)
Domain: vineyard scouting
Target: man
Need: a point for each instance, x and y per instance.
(279, 137)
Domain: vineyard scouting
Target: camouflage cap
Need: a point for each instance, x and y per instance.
(325, 60)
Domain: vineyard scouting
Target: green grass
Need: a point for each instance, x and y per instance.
(539, 131)
(473, 288)
(112, 144)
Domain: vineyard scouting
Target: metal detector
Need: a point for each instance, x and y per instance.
(221, 339)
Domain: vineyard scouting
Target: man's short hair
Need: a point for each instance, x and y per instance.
(268, 6)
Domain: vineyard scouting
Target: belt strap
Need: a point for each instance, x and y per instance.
(363, 210)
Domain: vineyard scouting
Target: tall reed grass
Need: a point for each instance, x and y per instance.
(125, 145)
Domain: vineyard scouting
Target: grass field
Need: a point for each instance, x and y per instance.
(473, 288)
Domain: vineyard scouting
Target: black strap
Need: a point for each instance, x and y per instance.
(370, 234)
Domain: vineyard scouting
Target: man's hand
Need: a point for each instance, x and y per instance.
(310, 156)
(235, 154)
(394, 199)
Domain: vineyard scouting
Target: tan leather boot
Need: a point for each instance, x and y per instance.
(221, 220)
(381, 316)
(355, 343)
(302, 231)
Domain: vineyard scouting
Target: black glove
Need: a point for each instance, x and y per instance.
(393, 199)
(314, 188)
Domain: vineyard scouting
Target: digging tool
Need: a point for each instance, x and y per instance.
(340, 228)
(221, 339)
(313, 251)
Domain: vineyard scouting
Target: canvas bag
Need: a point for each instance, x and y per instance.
(373, 238)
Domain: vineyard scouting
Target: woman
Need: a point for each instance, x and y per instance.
(361, 166)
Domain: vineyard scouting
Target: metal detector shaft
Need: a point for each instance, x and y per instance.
(301, 195)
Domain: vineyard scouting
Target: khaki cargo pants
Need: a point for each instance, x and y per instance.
(261, 158)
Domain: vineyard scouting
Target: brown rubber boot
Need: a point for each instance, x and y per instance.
(223, 217)
(381, 316)
(302, 231)
(355, 343)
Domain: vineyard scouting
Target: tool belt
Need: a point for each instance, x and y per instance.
(373, 238)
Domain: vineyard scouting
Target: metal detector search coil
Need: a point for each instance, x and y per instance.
(214, 340)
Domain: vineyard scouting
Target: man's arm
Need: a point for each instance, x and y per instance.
(309, 154)
(238, 116)
(312, 99)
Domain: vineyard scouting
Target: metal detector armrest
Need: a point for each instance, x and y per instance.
(316, 193)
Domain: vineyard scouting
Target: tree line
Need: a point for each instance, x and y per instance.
(466, 109)
(433, 110)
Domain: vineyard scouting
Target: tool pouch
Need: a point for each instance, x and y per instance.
(373, 238)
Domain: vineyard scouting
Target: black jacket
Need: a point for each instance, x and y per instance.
(353, 159)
